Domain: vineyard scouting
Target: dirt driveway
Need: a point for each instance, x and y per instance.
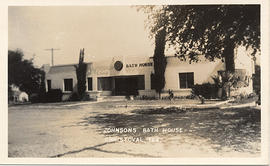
(124, 129)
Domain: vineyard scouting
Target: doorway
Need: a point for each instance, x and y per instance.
(128, 85)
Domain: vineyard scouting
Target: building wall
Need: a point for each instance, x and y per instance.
(244, 60)
(131, 66)
(57, 74)
(203, 72)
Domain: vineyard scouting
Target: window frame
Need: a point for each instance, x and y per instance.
(100, 84)
(88, 83)
(49, 82)
(187, 84)
(65, 85)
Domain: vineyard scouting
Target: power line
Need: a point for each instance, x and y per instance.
(52, 49)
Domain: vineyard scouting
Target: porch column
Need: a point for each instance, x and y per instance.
(95, 83)
(147, 81)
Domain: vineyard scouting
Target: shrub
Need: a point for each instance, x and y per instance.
(192, 96)
(38, 97)
(35, 98)
(74, 97)
(185, 97)
(143, 97)
(245, 98)
(85, 97)
(257, 82)
(205, 90)
(54, 95)
(229, 81)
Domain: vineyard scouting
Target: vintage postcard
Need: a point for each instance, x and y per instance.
(135, 82)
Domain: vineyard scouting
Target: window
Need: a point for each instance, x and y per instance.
(186, 80)
(90, 85)
(105, 83)
(68, 84)
(152, 81)
(49, 85)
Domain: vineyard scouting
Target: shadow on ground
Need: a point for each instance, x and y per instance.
(234, 128)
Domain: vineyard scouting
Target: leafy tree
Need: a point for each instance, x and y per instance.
(159, 61)
(210, 30)
(81, 75)
(23, 74)
(257, 81)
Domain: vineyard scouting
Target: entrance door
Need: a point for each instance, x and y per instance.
(126, 85)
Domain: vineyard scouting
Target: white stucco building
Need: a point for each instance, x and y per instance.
(125, 75)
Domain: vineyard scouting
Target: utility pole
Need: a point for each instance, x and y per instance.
(52, 49)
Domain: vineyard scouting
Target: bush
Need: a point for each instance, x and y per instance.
(143, 97)
(54, 95)
(85, 97)
(185, 97)
(38, 98)
(74, 97)
(205, 90)
(257, 82)
(35, 98)
(245, 98)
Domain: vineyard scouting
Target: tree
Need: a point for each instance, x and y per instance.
(257, 82)
(81, 75)
(210, 30)
(23, 74)
(159, 61)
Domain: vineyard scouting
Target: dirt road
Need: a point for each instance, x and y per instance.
(118, 129)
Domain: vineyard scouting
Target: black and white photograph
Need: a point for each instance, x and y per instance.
(153, 81)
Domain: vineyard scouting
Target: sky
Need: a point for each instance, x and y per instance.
(104, 32)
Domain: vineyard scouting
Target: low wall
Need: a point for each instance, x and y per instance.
(106, 93)
(165, 93)
(148, 93)
(94, 94)
(177, 93)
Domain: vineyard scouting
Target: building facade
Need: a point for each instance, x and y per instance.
(121, 76)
